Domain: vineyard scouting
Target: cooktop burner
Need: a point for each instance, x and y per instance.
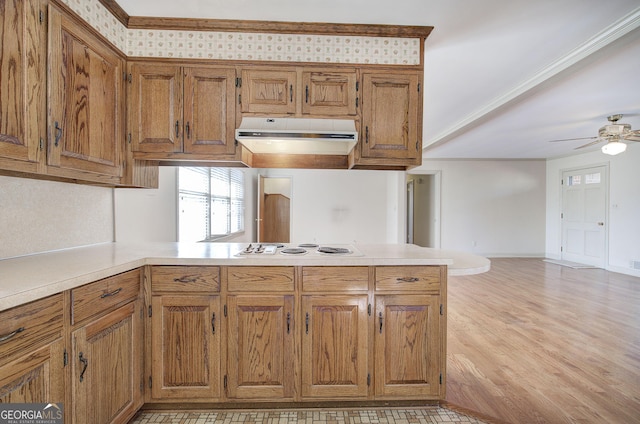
(308, 245)
(293, 251)
(334, 250)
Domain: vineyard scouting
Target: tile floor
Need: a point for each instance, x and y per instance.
(427, 415)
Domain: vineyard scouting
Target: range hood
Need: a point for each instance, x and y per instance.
(298, 135)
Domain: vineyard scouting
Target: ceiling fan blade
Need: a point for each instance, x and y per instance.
(571, 139)
(633, 136)
(599, 140)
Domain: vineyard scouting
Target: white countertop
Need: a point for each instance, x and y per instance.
(33, 277)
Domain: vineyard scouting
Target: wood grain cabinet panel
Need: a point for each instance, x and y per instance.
(185, 347)
(330, 92)
(408, 278)
(334, 347)
(32, 352)
(25, 327)
(392, 117)
(209, 111)
(335, 278)
(37, 376)
(86, 121)
(176, 109)
(155, 107)
(260, 278)
(106, 371)
(261, 341)
(99, 296)
(22, 83)
(269, 91)
(185, 279)
(407, 347)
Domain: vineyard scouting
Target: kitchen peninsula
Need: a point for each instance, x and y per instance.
(205, 324)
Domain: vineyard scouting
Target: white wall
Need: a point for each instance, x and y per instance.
(148, 214)
(337, 206)
(38, 216)
(491, 207)
(623, 208)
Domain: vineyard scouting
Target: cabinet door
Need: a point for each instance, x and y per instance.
(391, 116)
(261, 347)
(269, 91)
(155, 108)
(328, 92)
(22, 80)
(107, 367)
(334, 347)
(85, 122)
(185, 347)
(36, 377)
(407, 347)
(209, 111)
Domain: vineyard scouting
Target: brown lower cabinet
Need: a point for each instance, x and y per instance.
(105, 356)
(82, 348)
(297, 333)
(32, 352)
(229, 334)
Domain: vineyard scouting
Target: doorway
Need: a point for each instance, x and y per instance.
(274, 209)
(584, 210)
(423, 209)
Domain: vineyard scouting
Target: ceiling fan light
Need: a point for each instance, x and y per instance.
(614, 147)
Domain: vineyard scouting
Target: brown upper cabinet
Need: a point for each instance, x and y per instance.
(300, 91)
(270, 91)
(175, 109)
(86, 131)
(391, 118)
(22, 84)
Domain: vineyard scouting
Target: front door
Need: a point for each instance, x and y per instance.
(584, 201)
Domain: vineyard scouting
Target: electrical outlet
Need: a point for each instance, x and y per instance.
(635, 264)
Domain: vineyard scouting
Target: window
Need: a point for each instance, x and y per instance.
(210, 203)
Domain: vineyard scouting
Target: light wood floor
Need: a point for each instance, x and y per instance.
(533, 342)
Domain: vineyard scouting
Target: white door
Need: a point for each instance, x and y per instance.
(584, 207)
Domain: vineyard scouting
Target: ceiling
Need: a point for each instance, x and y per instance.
(501, 78)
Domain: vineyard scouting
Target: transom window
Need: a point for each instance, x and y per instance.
(210, 203)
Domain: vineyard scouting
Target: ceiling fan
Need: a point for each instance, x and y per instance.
(613, 133)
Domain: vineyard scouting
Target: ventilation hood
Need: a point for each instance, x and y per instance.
(298, 135)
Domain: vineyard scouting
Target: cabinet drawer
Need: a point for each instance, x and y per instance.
(335, 278)
(185, 279)
(95, 298)
(408, 278)
(260, 278)
(26, 327)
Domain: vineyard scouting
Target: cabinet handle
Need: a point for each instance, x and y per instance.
(407, 279)
(306, 94)
(306, 323)
(10, 335)
(189, 131)
(113, 293)
(366, 132)
(185, 280)
(58, 135)
(288, 322)
(291, 93)
(85, 363)
(380, 318)
(213, 323)
(177, 129)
